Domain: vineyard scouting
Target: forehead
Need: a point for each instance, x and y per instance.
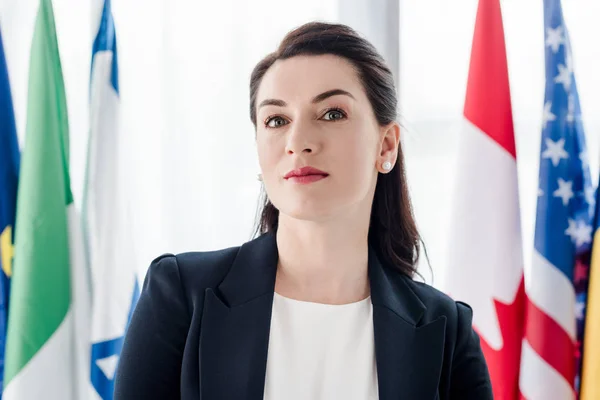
(300, 78)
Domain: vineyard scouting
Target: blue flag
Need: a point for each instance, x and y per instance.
(9, 177)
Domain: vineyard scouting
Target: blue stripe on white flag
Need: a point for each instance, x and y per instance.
(106, 40)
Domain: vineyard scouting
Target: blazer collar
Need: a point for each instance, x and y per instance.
(236, 326)
(252, 273)
(254, 269)
(390, 289)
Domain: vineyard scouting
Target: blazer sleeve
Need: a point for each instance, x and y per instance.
(470, 379)
(150, 363)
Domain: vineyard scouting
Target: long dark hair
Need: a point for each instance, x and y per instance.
(392, 231)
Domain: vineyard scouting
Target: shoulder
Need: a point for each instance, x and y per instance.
(163, 322)
(208, 267)
(458, 314)
(192, 272)
(440, 304)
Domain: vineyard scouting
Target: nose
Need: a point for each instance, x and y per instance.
(301, 140)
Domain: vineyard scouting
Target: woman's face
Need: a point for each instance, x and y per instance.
(312, 111)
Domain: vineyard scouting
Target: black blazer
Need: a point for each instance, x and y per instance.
(201, 331)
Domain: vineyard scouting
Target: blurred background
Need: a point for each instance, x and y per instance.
(186, 140)
(184, 71)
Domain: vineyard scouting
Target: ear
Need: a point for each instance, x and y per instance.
(388, 150)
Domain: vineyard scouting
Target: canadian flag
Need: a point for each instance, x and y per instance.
(485, 260)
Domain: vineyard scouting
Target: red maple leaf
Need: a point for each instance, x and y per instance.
(504, 364)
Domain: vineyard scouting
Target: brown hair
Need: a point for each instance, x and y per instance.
(392, 231)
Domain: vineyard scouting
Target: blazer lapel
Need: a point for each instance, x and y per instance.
(409, 356)
(236, 323)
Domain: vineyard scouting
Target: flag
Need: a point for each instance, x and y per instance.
(9, 176)
(590, 373)
(43, 338)
(485, 262)
(107, 213)
(556, 290)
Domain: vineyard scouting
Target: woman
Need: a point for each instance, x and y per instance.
(322, 305)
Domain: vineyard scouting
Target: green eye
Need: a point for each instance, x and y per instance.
(275, 122)
(335, 114)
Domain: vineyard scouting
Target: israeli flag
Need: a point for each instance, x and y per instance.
(110, 251)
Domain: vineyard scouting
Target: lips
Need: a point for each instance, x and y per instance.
(305, 171)
(305, 175)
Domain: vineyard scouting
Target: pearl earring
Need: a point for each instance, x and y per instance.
(387, 165)
(259, 177)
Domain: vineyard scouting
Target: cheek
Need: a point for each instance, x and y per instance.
(269, 154)
(357, 155)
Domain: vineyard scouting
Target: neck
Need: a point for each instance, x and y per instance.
(322, 262)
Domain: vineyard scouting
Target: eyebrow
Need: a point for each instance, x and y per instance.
(317, 99)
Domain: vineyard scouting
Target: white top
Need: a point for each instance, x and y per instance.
(321, 352)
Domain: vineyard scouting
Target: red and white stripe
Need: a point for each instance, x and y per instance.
(548, 364)
(485, 251)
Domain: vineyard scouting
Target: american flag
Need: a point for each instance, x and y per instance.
(557, 288)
